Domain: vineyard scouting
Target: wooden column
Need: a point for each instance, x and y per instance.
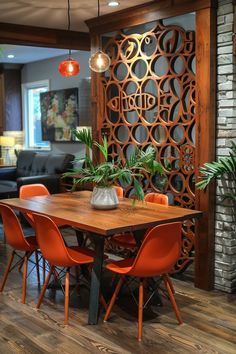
(205, 142)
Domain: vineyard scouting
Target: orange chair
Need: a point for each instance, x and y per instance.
(127, 240)
(57, 253)
(34, 190)
(37, 189)
(119, 191)
(157, 255)
(15, 238)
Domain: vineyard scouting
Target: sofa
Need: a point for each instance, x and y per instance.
(34, 167)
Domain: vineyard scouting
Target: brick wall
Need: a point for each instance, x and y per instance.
(225, 226)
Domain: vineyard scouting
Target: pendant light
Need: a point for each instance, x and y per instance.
(70, 66)
(99, 61)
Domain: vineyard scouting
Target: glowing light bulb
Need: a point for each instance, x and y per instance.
(99, 62)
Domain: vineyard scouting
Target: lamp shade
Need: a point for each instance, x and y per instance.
(69, 67)
(99, 62)
(7, 141)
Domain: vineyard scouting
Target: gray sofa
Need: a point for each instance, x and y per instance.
(34, 167)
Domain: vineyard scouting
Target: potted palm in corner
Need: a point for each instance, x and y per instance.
(103, 175)
(225, 168)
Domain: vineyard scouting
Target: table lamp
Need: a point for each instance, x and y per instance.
(7, 142)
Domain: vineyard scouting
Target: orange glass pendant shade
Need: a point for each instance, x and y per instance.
(69, 67)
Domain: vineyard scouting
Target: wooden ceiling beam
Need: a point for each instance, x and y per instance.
(151, 11)
(43, 37)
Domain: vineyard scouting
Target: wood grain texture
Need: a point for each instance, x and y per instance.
(137, 15)
(75, 209)
(209, 321)
(45, 37)
(205, 142)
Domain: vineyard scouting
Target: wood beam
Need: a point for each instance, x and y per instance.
(205, 143)
(43, 37)
(151, 11)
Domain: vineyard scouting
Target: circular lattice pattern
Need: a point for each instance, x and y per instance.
(150, 99)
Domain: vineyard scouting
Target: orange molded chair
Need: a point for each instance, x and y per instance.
(119, 191)
(15, 238)
(34, 190)
(37, 189)
(157, 198)
(127, 240)
(57, 253)
(157, 255)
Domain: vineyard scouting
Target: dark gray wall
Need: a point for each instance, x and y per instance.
(48, 70)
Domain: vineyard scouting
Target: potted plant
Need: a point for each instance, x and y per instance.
(103, 175)
(224, 167)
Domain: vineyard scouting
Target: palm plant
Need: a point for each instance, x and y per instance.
(225, 166)
(106, 173)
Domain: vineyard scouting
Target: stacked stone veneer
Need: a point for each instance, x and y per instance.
(225, 230)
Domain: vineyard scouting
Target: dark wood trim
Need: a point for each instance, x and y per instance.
(151, 11)
(44, 37)
(97, 122)
(205, 143)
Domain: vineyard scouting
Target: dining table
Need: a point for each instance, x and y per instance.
(74, 209)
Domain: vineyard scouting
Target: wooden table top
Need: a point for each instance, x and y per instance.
(75, 209)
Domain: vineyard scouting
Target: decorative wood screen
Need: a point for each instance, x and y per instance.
(149, 95)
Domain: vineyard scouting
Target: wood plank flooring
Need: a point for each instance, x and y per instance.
(209, 322)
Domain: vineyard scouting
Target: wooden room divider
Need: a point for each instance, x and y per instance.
(157, 92)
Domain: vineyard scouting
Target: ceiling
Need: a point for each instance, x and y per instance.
(26, 54)
(53, 13)
(50, 14)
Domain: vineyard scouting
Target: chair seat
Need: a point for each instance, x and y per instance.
(80, 255)
(122, 267)
(125, 240)
(86, 251)
(31, 240)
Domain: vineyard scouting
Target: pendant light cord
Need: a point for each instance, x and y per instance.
(68, 13)
(98, 8)
(68, 16)
(99, 44)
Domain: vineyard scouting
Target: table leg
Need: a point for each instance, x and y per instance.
(138, 235)
(96, 280)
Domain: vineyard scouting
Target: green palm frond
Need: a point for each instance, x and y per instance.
(224, 166)
(108, 172)
(103, 147)
(84, 136)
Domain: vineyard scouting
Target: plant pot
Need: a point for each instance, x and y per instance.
(104, 198)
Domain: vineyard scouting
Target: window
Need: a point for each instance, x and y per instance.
(32, 114)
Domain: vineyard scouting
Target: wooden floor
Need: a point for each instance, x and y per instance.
(209, 322)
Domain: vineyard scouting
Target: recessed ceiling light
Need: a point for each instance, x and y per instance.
(113, 3)
(11, 56)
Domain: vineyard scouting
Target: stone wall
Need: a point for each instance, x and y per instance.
(225, 233)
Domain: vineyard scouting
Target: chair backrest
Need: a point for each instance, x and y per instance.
(12, 229)
(32, 190)
(159, 251)
(119, 191)
(156, 198)
(50, 241)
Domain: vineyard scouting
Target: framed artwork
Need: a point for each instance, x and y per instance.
(59, 114)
